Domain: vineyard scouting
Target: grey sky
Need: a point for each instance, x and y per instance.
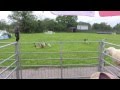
(109, 20)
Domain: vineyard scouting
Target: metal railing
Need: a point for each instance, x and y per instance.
(8, 66)
(103, 61)
(65, 70)
(19, 61)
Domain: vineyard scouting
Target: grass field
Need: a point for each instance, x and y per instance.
(66, 50)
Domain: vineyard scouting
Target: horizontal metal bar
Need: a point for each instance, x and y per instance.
(10, 73)
(40, 65)
(59, 52)
(7, 52)
(62, 58)
(79, 58)
(7, 58)
(7, 45)
(80, 77)
(58, 42)
(6, 42)
(94, 64)
(109, 71)
(41, 59)
(112, 65)
(112, 44)
(8, 67)
(111, 57)
(57, 59)
(10, 59)
(49, 52)
(40, 52)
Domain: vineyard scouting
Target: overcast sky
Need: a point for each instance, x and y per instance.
(47, 14)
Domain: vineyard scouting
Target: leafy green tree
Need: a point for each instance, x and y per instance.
(102, 26)
(67, 21)
(25, 19)
(3, 25)
(117, 27)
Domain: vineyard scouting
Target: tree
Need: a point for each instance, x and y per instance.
(25, 19)
(3, 25)
(50, 24)
(117, 27)
(29, 24)
(102, 26)
(95, 26)
(67, 21)
(59, 27)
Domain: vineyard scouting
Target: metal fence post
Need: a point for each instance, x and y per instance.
(17, 60)
(61, 58)
(101, 56)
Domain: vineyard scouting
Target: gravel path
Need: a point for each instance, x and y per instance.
(46, 73)
(55, 73)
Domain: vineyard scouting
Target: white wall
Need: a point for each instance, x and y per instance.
(82, 27)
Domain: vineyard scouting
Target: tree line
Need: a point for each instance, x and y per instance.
(29, 23)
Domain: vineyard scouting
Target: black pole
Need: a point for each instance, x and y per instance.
(17, 32)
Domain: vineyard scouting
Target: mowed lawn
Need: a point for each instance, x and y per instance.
(69, 48)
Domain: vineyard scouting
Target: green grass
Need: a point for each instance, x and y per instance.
(56, 47)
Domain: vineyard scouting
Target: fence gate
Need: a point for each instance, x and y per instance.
(60, 59)
(9, 61)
